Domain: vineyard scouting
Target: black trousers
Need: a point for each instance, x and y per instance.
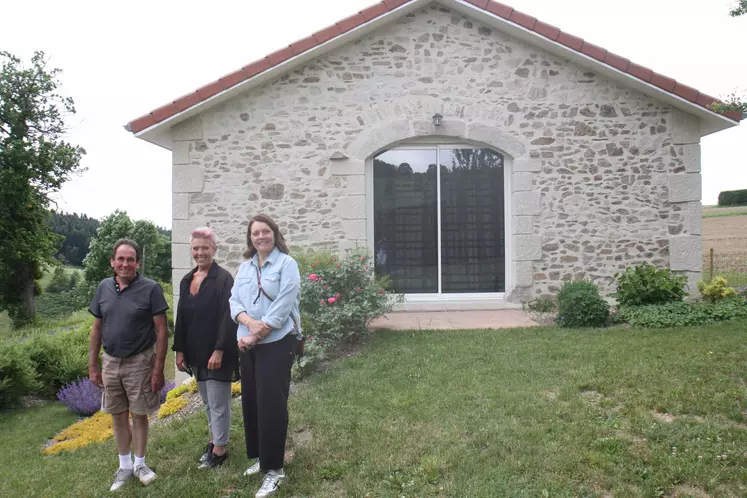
(265, 383)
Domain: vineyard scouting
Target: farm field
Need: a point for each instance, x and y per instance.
(727, 236)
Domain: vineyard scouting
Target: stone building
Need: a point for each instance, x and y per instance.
(557, 159)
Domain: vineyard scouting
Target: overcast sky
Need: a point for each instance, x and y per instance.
(121, 62)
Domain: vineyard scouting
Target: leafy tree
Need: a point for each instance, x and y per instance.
(114, 227)
(60, 281)
(158, 259)
(157, 247)
(740, 9)
(734, 102)
(34, 162)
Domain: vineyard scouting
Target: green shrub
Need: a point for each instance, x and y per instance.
(60, 281)
(51, 306)
(17, 375)
(682, 314)
(83, 293)
(580, 305)
(733, 198)
(168, 293)
(62, 300)
(645, 284)
(58, 359)
(340, 297)
(716, 290)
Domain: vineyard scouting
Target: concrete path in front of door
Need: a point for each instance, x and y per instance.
(453, 320)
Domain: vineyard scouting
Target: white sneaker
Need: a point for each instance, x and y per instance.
(206, 455)
(120, 478)
(272, 482)
(145, 475)
(254, 469)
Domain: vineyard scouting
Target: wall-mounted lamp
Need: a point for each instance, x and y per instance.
(437, 118)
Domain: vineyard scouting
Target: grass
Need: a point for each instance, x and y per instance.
(533, 413)
(6, 329)
(725, 211)
(169, 370)
(49, 272)
(44, 326)
(538, 412)
(732, 268)
(735, 278)
(721, 211)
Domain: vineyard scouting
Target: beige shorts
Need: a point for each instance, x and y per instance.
(127, 384)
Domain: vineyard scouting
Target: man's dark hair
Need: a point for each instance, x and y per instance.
(126, 242)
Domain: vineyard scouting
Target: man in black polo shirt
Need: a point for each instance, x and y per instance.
(130, 317)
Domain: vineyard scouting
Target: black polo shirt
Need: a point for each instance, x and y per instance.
(127, 326)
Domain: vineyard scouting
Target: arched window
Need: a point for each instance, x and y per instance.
(440, 230)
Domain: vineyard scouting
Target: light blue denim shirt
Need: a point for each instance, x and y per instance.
(281, 280)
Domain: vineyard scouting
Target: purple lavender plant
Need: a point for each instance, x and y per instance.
(81, 396)
(165, 390)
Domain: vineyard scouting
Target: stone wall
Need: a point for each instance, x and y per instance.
(602, 176)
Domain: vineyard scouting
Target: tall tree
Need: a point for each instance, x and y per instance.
(740, 9)
(34, 162)
(734, 102)
(114, 227)
(117, 226)
(78, 230)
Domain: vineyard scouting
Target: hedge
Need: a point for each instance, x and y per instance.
(733, 198)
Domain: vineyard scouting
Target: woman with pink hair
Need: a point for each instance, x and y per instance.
(205, 340)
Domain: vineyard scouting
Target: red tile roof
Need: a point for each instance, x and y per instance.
(385, 6)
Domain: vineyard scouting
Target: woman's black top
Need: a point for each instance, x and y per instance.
(204, 324)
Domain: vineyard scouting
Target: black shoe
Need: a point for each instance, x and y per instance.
(214, 461)
(208, 452)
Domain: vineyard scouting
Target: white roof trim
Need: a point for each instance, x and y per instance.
(159, 133)
(711, 121)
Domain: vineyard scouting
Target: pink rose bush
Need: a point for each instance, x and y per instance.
(339, 298)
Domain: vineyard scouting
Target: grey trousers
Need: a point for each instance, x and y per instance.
(217, 398)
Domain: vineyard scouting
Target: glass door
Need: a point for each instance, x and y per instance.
(472, 221)
(440, 230)
(406, 219)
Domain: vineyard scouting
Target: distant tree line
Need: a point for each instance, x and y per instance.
(77, 230)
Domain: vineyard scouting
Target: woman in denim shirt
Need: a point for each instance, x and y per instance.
(265, 301)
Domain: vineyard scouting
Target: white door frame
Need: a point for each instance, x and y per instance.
(431, 143)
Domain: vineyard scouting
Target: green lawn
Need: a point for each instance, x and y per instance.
(6, 330)
(51, 326)
(537, 412)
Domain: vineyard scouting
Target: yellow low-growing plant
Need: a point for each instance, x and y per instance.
(94, 429)
(236, 388)
(172, 406)
(190, 386)
(98, 427)
(176, 392)
(716, 290)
